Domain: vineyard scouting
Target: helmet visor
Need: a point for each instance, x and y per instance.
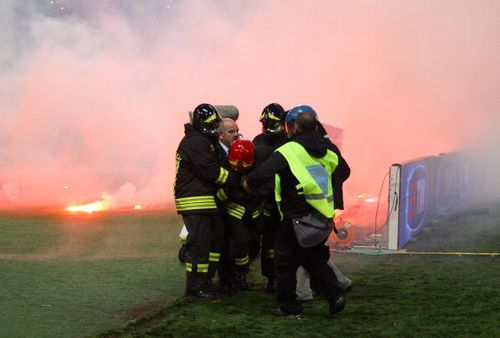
(212, 127)
(272, 126)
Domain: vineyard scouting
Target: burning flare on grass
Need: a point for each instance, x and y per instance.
(104, 204)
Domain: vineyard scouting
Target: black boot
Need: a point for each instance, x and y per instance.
(241, 282)
(337, 304)
(210, 287)
(195, 286)
(270, 285)
(200, 294)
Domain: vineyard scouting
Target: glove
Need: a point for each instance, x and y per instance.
(331, 223)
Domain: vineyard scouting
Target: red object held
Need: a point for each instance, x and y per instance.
(241, 155)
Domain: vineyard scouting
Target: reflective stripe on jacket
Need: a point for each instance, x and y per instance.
(198, 172)
(314, 175)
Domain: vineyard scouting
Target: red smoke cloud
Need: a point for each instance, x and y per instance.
(94, 101)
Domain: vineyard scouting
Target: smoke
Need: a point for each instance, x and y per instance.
(484, 157)
(93, 95)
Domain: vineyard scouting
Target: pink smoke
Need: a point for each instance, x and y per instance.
(97, 101)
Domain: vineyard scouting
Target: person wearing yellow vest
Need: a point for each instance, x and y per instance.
(198, 174)
(303, 168)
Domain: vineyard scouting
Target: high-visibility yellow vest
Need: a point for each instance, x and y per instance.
(314, 175)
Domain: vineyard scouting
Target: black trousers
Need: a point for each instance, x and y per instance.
(204, 245)
(289, 256)
(267, 227)
(240, 238)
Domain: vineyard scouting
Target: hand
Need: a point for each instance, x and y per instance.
(331, 223)
(244, 184)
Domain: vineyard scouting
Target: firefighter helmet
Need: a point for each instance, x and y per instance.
(241, 156)
(271, 118)
(206, 120)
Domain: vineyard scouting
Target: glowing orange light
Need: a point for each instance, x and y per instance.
(104, 204)
(137, 207)
(89, 208)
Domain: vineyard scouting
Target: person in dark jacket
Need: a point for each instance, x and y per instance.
(340, 175)
(306, 289)
(234, 259)
(272, 137)
(198, 173)
(229, 133)
(239, 209)
(304, 167)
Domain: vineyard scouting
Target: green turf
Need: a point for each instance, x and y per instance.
(117, 275)
(394, 295)
(75, 276)
(18, 234)
(61, 299)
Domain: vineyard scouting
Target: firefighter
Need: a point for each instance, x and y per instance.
(239, 209)
(271, 137)
(198, 172)
(304, 168)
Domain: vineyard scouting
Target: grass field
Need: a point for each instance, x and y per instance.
(78, 275)
(117, 275)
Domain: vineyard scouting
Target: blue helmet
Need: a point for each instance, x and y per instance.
(294, 112)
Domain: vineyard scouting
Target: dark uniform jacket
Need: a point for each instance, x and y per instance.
(341, 173)
(234, 192)
(198, 172)
(293, 204)
(266, 144)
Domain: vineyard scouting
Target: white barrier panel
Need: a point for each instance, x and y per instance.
(393, 214)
